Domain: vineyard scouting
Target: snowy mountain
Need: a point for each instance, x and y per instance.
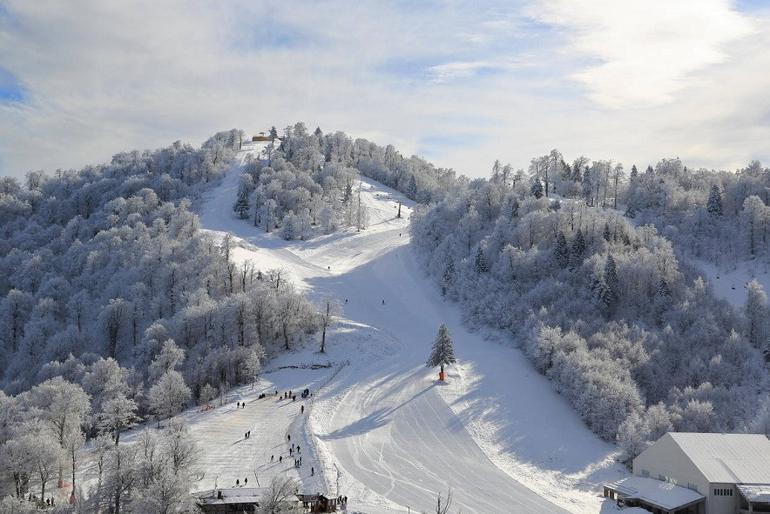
(209, 276)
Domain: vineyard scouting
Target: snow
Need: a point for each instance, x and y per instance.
(656, 492)
(496, 433)
(730, 283)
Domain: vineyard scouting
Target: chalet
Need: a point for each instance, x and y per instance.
(321, 503)
(694, 473)
(235, 500)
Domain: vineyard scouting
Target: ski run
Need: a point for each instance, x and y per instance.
(379, 426)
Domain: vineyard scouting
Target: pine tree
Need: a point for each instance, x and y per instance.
(480, 265)
(662, 300)
(242, 204)
(537, 188)
(578, 248)
(411, 190)
(448, 278)
(611, 282)
(443, 353)
(273, 132)
(634, 173)
(561, 251)
(756, 311)
(606, 234)
(714, 205)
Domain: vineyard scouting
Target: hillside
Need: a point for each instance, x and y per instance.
(396, 436)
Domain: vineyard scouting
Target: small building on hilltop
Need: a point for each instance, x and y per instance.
(695, 473)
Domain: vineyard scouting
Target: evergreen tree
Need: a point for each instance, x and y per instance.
(561, 251)
(411, 190)
(443, 353)
(448, 277)
(611, 281)
(606, 234)
(578, 248)
(634, 173)
(242, 204)
(536, 189)
(273, 132)
(662, 300)
(480, 265)
(714, 205)
(756, 315)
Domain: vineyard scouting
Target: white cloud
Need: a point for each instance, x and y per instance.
(102, 77)
(642, 51)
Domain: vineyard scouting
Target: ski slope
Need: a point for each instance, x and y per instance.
(382, 429)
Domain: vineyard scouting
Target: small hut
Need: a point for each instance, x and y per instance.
(319, 502)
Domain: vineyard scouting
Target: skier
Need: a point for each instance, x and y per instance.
(383, 301)
(312, 471)
(346, 300)
(302, 409)
(272, 458)
(288, 436)
(297, 448)
(245, 481)
(291, 451)
(280, 458)
(237, 483)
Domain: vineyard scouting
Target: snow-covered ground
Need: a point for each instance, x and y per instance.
(382, 428)
(729, 283)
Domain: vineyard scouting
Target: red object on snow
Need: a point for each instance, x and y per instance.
(441, 376)
(73, 499)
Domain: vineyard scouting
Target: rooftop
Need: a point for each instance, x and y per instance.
(665, 495)
(232, 495)
(728, 458)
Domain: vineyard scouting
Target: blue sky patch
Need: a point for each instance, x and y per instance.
(10, 89)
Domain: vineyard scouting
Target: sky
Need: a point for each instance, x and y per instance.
(459, 83)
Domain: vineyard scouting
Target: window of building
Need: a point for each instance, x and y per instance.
(723, 492)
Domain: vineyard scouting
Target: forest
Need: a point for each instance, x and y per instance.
(590, 270)
(117, 308)
(307, 185)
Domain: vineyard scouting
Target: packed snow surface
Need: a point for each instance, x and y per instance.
(380, 426)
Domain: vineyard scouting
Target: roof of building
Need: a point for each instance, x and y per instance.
(250, 495)
(755, 493)
(665, 495)
(728, 458)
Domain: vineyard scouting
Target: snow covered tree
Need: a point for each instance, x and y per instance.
(536, 189)
(443, 353)
(578, 248)
(757, 314)
(169, 395)
(714, 205)
(611, 281)
(241, 206)
(561, 251)
(448, 277)
(118, 414)
(480, 264)
(63, 406)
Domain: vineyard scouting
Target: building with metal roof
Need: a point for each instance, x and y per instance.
(730, 473)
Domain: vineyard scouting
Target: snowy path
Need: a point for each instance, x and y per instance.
(496, 434)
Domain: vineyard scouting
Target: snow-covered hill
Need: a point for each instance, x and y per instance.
(382, 428)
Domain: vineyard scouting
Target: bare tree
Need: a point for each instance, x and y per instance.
(443, 505)
(280, 496)
(330, 309)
